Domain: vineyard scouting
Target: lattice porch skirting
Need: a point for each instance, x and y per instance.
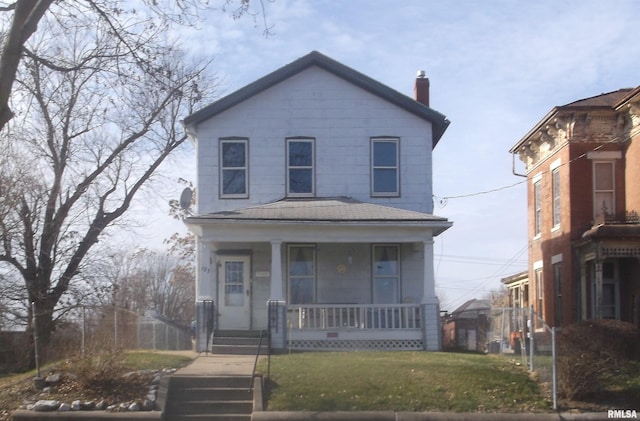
(357, 344)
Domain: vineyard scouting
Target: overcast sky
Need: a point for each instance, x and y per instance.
(495, 68)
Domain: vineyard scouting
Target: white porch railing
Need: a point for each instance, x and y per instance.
(354, 317)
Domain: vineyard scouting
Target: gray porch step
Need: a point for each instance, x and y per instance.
(238, 342)
(194, 382)
(212, 398)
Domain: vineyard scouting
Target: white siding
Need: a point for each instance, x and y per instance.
(341, 117)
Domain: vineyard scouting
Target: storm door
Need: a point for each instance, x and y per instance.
(234, 292)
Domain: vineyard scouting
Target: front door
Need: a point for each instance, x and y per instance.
(234, 292)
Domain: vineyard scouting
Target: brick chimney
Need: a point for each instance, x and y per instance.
(421, 88)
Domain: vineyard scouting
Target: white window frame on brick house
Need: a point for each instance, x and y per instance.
(604, 188)
(556, 199)
(385, 170)
(539, 280)
(231, 168)
(556, 264)
(537, 205)
(294, 166)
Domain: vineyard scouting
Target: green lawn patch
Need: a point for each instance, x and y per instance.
(400, 381)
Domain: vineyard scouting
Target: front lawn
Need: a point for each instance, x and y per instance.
(400, 381)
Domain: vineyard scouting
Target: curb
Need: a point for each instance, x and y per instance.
(421, 416)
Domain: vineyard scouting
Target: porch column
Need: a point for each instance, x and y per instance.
(598, 289)
(429, 282)
(205, 291)
(204, 287)
(430, 303)
(276, 271)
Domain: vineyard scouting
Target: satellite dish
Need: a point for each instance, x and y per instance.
(185, 198)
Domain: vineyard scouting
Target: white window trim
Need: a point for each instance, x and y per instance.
(604, 155)
(312, 167)
(537, 227)
(538, 267)
(221, 142)
(593, 180)
(555, 172)
(395, 140)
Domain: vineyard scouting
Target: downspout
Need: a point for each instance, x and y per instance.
(513, 166)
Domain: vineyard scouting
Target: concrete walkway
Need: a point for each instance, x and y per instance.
(217, 365)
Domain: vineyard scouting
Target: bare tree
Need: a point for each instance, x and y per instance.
(97, 100)
(20, 20)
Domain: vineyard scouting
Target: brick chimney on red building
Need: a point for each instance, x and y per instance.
(421, 88)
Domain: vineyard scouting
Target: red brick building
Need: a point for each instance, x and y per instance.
(583, 174)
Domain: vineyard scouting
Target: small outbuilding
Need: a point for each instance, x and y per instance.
(467, 326)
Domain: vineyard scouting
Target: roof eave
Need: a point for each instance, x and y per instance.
(438, 120)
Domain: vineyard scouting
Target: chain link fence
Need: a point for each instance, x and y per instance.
(522, 334)
(111, 327)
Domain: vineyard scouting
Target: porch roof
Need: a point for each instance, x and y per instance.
(322, 211)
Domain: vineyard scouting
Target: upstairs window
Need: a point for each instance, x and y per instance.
(555, 186)
(233, 168)
(537, 208)
(385, 180)
(603, 188)
(300, 171)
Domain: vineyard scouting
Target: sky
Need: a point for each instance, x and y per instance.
(496, 68)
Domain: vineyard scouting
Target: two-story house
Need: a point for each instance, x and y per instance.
(583, 174)
(314, 211)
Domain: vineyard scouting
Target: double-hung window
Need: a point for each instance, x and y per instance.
(557, 281)
(603, 188)
(300, 167)
(539, 291)
(302, 274)
(386, 274)
(385, 165)
(234, 169)
(537, 203)
(555, 187)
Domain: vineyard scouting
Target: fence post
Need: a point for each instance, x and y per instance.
(530, 331)
(554, 368)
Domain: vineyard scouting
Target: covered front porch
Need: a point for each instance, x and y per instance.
(321, 275)
(609, 259)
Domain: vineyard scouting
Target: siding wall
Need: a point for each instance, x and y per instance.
(341, 117)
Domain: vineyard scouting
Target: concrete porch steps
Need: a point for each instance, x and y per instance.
(218, 398)
(238, 342)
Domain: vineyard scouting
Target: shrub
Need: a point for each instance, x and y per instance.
(589, 351)
(98, 371)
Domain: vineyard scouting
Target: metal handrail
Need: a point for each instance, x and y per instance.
(255, 363)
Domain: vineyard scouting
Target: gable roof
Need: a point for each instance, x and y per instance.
(439, 121)
(471, 309)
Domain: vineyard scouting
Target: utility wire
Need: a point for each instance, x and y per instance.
(444, 199)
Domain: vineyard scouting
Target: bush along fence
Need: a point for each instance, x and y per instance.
(523, 334)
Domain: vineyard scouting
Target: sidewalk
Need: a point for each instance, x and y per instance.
(218, 365)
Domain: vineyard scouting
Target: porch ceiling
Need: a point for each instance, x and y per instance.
(326, 214)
